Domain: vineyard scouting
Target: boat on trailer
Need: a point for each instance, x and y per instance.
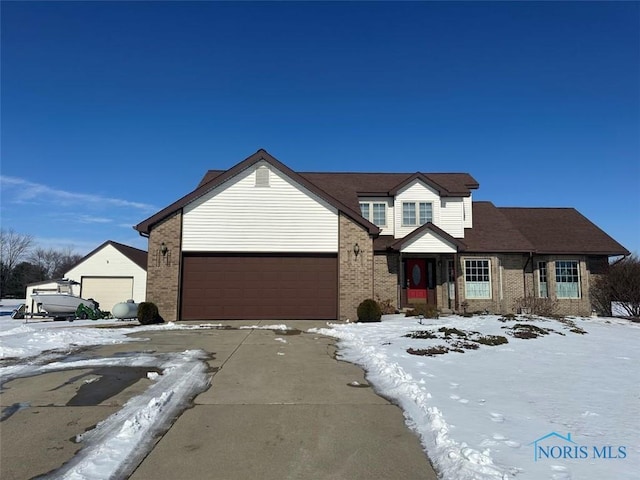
(63, 302)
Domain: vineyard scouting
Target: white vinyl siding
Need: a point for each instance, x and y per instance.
(414, 193)
(477, 278)
(239, 217)
(567, 279)
(452, 216)
(109, 262)
(467, 213)
(428, 242)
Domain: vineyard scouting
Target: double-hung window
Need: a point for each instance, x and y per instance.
(375, 212)
(567, 279)
(416, 213)
(543, 292)
(477, 277)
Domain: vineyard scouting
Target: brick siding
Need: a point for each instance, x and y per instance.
(163, 271)
(386, 268)
(514, 277)
(355, 282)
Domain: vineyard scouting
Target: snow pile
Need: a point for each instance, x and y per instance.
(20, 339)
(265, 327)
(478, 412)
(119, 443)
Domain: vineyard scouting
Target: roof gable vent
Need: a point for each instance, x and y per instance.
(262, 176)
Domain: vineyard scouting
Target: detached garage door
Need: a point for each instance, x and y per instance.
(107, 291)
(256, 287)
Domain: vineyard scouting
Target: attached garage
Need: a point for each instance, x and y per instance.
(107, 290)
(259, 286)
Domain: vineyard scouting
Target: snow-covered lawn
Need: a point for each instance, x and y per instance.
(479, 412)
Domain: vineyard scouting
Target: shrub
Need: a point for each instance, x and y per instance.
(427, 311)
(148, 313)
(369, 311)
(543, 307)
(386, 307)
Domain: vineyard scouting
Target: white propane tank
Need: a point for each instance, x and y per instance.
(124, 310)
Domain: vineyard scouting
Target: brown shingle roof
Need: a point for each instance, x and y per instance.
(340, 189)
(561, 230)
(137, 256)
(537, 230)
(493, 232)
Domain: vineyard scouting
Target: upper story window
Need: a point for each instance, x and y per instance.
(416, 213)
(375, 212)
(567, 279)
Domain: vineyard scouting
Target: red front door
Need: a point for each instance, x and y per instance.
(421, 280)
(416, 280)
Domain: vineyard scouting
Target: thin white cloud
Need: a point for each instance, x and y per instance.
(26, 191)
(91, 219)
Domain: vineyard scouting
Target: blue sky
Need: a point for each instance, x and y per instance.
(113, 110)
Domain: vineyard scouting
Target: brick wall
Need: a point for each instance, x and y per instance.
(569, 306)
(385, 277)
(513, 277)
(355, 273)
(163, 271)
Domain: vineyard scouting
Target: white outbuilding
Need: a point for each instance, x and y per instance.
(112, 273)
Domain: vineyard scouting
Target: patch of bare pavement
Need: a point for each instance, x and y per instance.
(280, 406)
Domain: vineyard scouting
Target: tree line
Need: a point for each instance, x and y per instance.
(23, 262)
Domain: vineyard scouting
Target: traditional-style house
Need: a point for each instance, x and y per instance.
(261, 241)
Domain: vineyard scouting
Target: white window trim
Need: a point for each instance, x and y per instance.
(490, 281)
(540, 282)
(416, 206)
(370, 217)
(555, 269)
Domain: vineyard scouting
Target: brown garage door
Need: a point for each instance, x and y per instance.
(260, 287)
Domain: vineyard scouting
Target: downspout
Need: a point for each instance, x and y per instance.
(524, 274)
(400, 279)
(455, 281)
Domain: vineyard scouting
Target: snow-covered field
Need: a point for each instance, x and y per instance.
(484, 413)
(478, 413)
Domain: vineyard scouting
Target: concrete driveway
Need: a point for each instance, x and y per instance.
(280, 406)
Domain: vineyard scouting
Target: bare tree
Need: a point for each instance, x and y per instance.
(620, 285)
(14, 247)
(55, 263)
(624, 277)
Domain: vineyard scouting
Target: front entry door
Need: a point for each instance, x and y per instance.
(421, 280)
